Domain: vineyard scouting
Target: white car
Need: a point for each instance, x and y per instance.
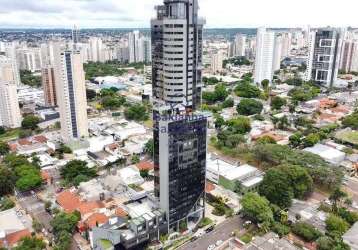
(211, 247)
(219, 242)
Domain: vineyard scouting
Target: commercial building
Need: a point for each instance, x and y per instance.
(49, 86)
(71, 94)
(325, 47)
(179, 132)
(10, 115)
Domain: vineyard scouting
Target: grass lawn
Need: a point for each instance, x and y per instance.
(348, 136)
(204, 222)
(10, 135)
(246, 238)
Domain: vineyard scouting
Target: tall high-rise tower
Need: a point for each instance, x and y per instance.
(264, 60)
(71, 94)
(324, 55)
(179, 132)
(10, 115)
(49, 86)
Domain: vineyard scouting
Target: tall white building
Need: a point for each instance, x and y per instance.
(133, 45)
(239, 45)
(286, 45)
(217, 60)
(10, 115)
(265, 46)
(29, 59)
(96, 49)
(277, 54)
(71, 94)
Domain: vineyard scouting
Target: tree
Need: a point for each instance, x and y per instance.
(336, 197)
(351, 121)
(256, 207)
(311, 139)
(249, 107)
(136, 112)
(219, 122)
(112, 102)
(4, 148)
(30, 178)
(149, 147)
(30, 243)
(6, 203)
(296, 139)
(301, 181)
(228, 103)
(240, 125)
(336, 225)
(265, 84)
(2, 130)
(64, 222)
(247, 90)
(276, 188)
(135, 159)
(306, 231)
(36, 226)
(91, 94)
(28, 78)
(277, 102)
(219, 94)
(76, 171)
(30, 122)
(266, 139)
(144, 173)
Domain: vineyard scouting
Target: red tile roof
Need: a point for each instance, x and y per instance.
(89, 207)
(96, 218)
(68, 201)
(24, 142)
(145, 165)
(120, 212)
(40, 138)
(13, 238)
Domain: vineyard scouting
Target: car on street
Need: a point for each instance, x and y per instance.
(209, 229)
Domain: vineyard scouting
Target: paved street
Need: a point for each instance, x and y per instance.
(32, 205)
(221, 232)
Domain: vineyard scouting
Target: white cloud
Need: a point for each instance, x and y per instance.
(137, 13)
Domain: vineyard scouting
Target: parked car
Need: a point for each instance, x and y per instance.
(209, 229)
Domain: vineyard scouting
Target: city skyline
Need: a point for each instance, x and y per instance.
(137, 14)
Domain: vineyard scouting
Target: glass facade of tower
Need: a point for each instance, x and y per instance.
(179, 140)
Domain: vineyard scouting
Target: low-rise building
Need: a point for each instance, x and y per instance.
(329, 154)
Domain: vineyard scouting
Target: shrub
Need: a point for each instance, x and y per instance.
(306, 231)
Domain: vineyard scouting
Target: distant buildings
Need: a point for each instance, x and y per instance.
(349, 58)
(29, 59)
(95, 49)
(217, 60)
(49, 87)
(325, 47)
(239, 45)
(10, 115)
(71, 94)
(139, 47)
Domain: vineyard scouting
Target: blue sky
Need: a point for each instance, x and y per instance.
(137, 13)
